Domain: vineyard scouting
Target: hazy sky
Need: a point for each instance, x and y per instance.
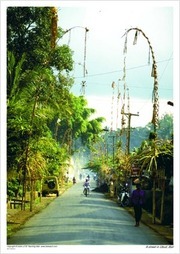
(107, 22)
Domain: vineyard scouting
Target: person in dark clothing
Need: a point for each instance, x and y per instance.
(74, 180)
(137, 200)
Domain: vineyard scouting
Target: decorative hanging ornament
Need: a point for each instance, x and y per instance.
(113, 84)
(85, 42)
(125, 45)
(124, 69)
(135, 38)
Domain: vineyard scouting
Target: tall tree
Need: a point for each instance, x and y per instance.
(40, 104)
(29, 32)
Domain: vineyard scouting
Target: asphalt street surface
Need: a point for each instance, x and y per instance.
(73, 219)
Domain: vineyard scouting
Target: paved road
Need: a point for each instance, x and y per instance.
(73, 219)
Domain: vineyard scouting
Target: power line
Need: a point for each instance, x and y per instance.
(166, 66)
(131, 68)
(130, 86)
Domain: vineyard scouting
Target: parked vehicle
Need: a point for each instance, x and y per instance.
(50, 185)
(124, 197)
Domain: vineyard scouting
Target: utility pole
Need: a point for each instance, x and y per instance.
(129, 129)
(129, 115)
(113, 150)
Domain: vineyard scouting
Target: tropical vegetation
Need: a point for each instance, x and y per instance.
(45, 121)
(47, 125)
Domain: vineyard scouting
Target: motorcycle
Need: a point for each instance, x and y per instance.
(124, 197)
(86, 190)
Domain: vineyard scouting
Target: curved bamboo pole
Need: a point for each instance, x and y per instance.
(155, 117)
(155, 105)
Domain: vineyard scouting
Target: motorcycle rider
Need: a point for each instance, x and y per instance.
(74, 180)
(86, 185)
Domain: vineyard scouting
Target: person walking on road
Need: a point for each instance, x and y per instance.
(137, 200)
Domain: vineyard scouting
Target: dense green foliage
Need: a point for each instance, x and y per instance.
(44, 119)
(113, 149)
